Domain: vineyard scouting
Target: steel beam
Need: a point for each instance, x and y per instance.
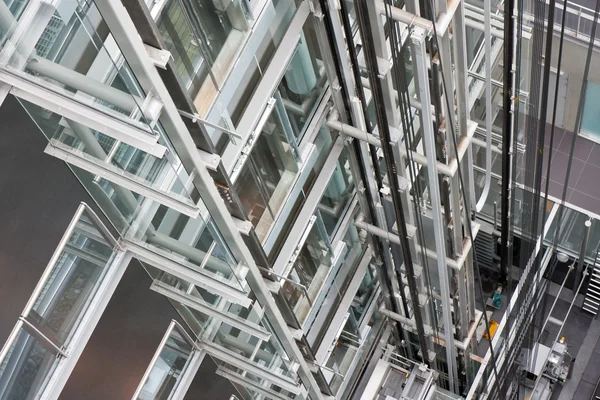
(112, 124)
(121, 178)
(200, 305)
(195, 276)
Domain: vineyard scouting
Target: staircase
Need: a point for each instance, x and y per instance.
(485, 246)
(591, 302)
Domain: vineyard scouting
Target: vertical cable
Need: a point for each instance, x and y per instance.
(384, 132)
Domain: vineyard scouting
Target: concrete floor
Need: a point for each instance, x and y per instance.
(39, 196)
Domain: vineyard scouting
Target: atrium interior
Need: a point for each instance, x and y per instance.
(300, 199)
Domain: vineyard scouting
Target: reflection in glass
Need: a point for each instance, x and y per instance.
(167, 368)
(24, 371)
(157, 173)
(92, 71)
(337, 195)
(72, 282)
(267, 176)
(308, 274)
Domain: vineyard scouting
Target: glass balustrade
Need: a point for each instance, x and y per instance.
(28, 363)
(48, 327)
(170, 363)
(153, 172)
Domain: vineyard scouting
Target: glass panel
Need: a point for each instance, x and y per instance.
(304, 81)
(72, 282)
(267, 176)
(309, 273)
(168, 367)
(68, 46)
(591, 111)
(142, 167)
(26, 368)
(337, 195)
(342, 356)
(268, 354)
(249, 393)
(205, 38)
(193, 242)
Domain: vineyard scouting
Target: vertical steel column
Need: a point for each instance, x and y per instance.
(507, 129)
(462, 111)
(487, 37)
(421, 75)
(461, 301)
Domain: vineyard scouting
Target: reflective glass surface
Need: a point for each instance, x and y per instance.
(72, 282)
(26, 367)
(167, 368)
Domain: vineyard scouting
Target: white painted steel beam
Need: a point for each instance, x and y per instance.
(196, 276)
(119, 177)
(200, 305)
(258, 370)
(112, 124)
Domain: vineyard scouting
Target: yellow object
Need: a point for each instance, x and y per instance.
(493, 329)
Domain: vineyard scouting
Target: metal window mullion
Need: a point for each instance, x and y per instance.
(121, 178)
(287, 126)
(55, 257)
(271, 79)
(248, 384)
(86, 326)
(339, 255)
(343, 307)
(308, 210)
(310, 157)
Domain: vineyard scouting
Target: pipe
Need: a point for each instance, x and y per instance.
(404, 320)
(461, 345)
(71, 78)
(375, 230)
(349, 130)
(85, 84)
(393, 238)
(488, 107)
(413, 102)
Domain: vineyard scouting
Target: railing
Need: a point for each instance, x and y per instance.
(578, 21)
